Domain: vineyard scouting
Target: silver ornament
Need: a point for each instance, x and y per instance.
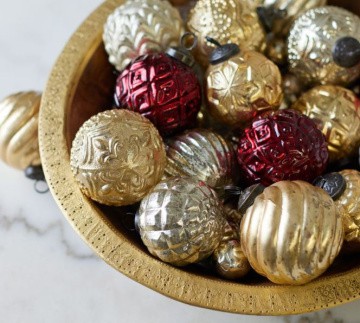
(139, 27)
(181, 221)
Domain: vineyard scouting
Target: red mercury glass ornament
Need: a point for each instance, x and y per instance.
(282, 145)
(162, 87)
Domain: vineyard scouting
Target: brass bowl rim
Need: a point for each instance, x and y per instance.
(116, 249)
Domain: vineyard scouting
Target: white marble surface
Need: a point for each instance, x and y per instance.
(47, 274)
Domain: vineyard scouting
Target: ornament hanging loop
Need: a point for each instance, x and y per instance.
(189, 41)
(182, 53)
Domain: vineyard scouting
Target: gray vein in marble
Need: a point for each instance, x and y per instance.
(7, 223)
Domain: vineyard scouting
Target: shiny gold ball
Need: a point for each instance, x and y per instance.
(227, 21)
(230, 261)
(117, 157)
(242, 87)
(201, 154)
(292, 233)
(19, 114)
(181, 221)
(139, 27)
(349, 204)
(336, 111)
(311, 42)
(232, 214)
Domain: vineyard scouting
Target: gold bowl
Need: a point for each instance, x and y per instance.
(80, 85)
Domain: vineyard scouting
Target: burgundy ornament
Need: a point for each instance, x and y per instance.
(161, 88)
(282, 145)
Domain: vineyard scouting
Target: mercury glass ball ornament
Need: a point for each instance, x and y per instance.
(181, 221)
(139, 27)
(117, 157)
(292, 233)
(323, 46)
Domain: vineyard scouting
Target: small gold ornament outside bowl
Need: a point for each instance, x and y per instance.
(79, 87)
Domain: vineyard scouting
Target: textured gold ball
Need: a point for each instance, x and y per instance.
(139, 27)
(201, 154)
(311, 41)
(117, 156)
(276, 51)
(292, 233)
(181, 221)
(336, 111)
(19, 114)
(227, 21)
(242, 87)
(349, 204)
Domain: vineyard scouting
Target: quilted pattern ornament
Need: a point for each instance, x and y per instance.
(181, 221)
(282, 145)
(139, 27)
(163, 89)
(292, 233)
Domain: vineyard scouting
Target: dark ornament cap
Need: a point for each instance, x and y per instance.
(268, 16)
(346, 52)
(333, 183)
(223, 52)
(182, 53)
(248, 196)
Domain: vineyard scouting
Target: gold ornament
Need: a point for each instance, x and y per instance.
(292, 233)
(201, 154)
(336, 112)
(349, 204)
(311, 42)
(181, 221)
(227, 21)
(232, 214)
(276, 51)
(117, 156)
(292, 89)
(243, 86)
(19, 115)
(230, 261)
(139, 27)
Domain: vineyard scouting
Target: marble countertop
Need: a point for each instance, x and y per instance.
(47, 273)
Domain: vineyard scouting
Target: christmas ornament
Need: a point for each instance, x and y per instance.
(248, 196)
(230, 261)
(317, 50)
(349, 204)
(336, 111)
(19, 115)
(278, 15)
(162, 88)
(201, 154)
(139, 27)
(276, 50)
(333, 183)
(282, 145)
(117, 156)
(232, 214)
(292, 89)
(181, 221)
(292, 233)
(227, 21)
(241, 85)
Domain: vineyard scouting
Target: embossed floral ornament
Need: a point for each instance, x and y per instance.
(117, 156)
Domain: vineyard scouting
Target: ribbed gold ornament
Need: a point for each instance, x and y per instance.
(201, 154)
(117, 156)
(311, 41)
(292, 233)
(139, 27)
(227, 21)
(181, 221)
(349, 204)
(19, 114)
(336, 111)
(243, 86)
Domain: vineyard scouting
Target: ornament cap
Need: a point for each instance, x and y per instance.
(223, 52)
(334, 184)
(346, 52)
(268, 16)
(182, 53)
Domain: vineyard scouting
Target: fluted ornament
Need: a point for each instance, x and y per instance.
(243, 86)
(201, 154)
(19, 114)
(139, 27)
(181, 221)
(117, 157)
(336, 111)
(292, 233)
(349, 204)
(311, 43)
(227, 21)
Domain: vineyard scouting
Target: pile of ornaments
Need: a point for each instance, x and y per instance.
(224, 129)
